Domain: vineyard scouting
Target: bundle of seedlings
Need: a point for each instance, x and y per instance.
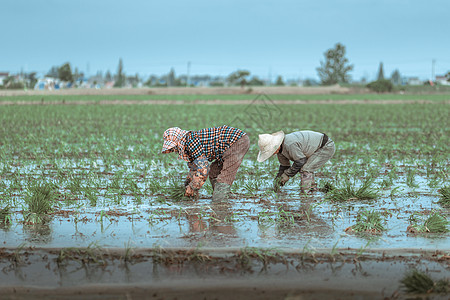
(417, 282)
(176, 191)
(40, 199)
(435, 223)
(349, 192)
(444, 200)
(368, 222)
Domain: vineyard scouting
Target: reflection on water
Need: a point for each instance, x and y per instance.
(38, 233)
(289, 221)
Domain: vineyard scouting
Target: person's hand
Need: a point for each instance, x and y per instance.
(189, 191)
(283, 179)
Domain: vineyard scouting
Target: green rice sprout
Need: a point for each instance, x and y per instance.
(349, 192)
(417, 282)
(40, 199)
(326, 187)
(369, 222)
(444, 200)
(435, 223)
(176, 191)
(5, 216)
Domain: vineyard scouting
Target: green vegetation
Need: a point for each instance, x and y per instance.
(40, 200)
(348, 192)
(55, 157)
(435, 223)
(381, 86)
(444, 200)
(5, 216)
(417, 282)
(364, 96)
(369, 222)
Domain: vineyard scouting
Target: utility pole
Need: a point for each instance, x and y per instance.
(433, 63)
(188, 71)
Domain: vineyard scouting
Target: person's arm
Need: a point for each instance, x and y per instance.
(198, 175)
(296, 167)
(295, 154)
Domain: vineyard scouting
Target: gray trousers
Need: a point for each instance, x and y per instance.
(320, 157)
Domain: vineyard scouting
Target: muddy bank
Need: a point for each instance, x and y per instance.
(247, 273)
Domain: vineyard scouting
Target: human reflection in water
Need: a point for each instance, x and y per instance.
(218, 221)
(223, 215)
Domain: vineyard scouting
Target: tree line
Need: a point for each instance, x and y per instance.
(334, 69)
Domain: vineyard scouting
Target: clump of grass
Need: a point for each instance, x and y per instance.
(435, 223)
(444, 200)
(349, 192)
(420, 283)
(368, 222)
(40, 199)
(5, 216)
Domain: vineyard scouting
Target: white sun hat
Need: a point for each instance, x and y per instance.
(268, 144)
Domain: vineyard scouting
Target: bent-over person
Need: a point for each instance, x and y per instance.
(308, 150)
(216, 152)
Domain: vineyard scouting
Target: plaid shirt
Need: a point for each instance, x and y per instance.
(210, 142)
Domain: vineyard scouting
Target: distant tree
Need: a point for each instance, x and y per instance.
(77, 75)
(65, 73)
(53, 72)
(255, 81)
(108, 76)
(448, 76)
(279, 81)
(171, 78)
(380, 72)
(335, 69)
(238, 77)
(31, 79)
(381, 86)
(120, 76)
(396, 78)
(133, 80)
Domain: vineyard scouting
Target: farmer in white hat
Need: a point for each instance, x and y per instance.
(309, 150)
(224, 146)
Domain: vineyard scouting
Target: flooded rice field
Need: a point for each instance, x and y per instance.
(86, 208)
(255, 216)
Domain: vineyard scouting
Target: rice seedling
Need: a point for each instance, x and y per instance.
(326, 186)
(410, 178)
(435, 223)
(245, 256)
(349, 192)
(5, 216)
(40, 199)
(368, 221)
(444, 199)
(176, 191)
(417, 282)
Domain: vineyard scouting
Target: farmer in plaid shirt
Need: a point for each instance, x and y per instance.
(216, 152)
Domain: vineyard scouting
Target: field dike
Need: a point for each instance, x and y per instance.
(213, 273)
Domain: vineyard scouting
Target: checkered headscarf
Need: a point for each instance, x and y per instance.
(175, 137)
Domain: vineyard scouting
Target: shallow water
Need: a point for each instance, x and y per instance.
(246, 222)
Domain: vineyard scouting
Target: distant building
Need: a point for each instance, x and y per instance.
(412, 81)
(441, 79)
(3, 76)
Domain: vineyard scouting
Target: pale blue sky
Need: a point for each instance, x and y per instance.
(283, 37)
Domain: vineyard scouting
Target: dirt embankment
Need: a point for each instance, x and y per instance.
(269, 90)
